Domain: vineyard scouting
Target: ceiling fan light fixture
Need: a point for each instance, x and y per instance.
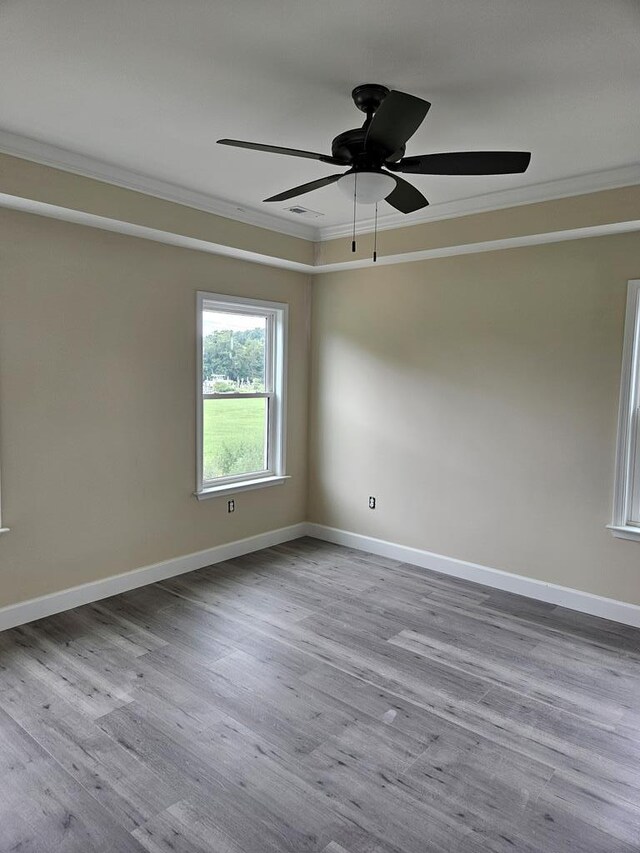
(368, 151)
(371, 186)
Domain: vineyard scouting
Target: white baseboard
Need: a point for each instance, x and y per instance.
(574, 599)
(66, 599)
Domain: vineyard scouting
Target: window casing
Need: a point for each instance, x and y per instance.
(272, 317)
(626, 504)
(2, 529)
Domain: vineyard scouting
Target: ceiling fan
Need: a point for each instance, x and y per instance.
(375, 152)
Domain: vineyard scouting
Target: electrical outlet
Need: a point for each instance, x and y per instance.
(372, 502)
(231, 506)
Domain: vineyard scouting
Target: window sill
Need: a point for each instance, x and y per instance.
(241, 486)
(621, 532)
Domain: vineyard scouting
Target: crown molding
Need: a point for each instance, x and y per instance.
(79, 164)
(80, 217)
(498, 245)
(132, 229)
(514, 197)
(88, 167)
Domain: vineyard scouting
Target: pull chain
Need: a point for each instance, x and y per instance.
(375, 236)
(355, 190)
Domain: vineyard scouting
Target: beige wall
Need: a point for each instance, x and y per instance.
(476, 397)
(97, 404)
(26, 180)
(562, 214)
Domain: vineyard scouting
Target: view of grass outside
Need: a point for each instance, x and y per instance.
(233, 437)
(233, 360)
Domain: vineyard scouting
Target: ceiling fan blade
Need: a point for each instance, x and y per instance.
(405, 197)
(465, 163)
(305, 188)
(395, 121)
(276, 149)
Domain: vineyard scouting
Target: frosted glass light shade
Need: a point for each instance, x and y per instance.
(370, 187)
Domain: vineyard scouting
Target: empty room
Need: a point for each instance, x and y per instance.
(320, 426)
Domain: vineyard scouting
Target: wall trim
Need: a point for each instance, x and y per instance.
(56, 602)
(608, 229)
(56, 157)
(573, 599)
(92, 220)
(591, 182)
(90, 167)
(132, 229)
(66, 599)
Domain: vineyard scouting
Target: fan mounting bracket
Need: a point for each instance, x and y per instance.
(369, 96)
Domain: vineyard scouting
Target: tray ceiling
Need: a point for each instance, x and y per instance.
(149, 86)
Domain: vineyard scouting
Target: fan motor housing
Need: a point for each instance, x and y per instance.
(349, 147)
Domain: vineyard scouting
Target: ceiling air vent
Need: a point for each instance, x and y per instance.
(304, 211)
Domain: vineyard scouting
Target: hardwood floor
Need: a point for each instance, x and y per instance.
(313, 698)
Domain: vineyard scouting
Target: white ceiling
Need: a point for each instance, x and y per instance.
(149, 85)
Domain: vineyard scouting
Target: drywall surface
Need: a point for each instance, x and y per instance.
(97, 404)
(476, 398)
(562, 214)
(27, 180)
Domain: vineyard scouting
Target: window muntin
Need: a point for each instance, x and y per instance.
(241, 352)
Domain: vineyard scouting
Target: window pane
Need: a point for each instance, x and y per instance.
(233, 352)
(234, 436)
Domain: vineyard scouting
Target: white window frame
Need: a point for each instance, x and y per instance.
(2, 529)
(277, 314)
(625, 523)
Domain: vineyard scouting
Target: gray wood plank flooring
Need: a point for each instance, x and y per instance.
(313, 698)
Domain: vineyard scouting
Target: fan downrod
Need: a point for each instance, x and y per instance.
(369, 96)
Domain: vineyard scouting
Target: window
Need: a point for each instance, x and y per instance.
(2, 529)
(241, 393)
(626, 503)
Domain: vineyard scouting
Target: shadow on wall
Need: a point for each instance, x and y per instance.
(477, 395)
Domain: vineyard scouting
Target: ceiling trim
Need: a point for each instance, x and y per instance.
(609, 179)
(104, 223)
(88, 167)
(498, 245)
(79, 164)
(131, 229)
